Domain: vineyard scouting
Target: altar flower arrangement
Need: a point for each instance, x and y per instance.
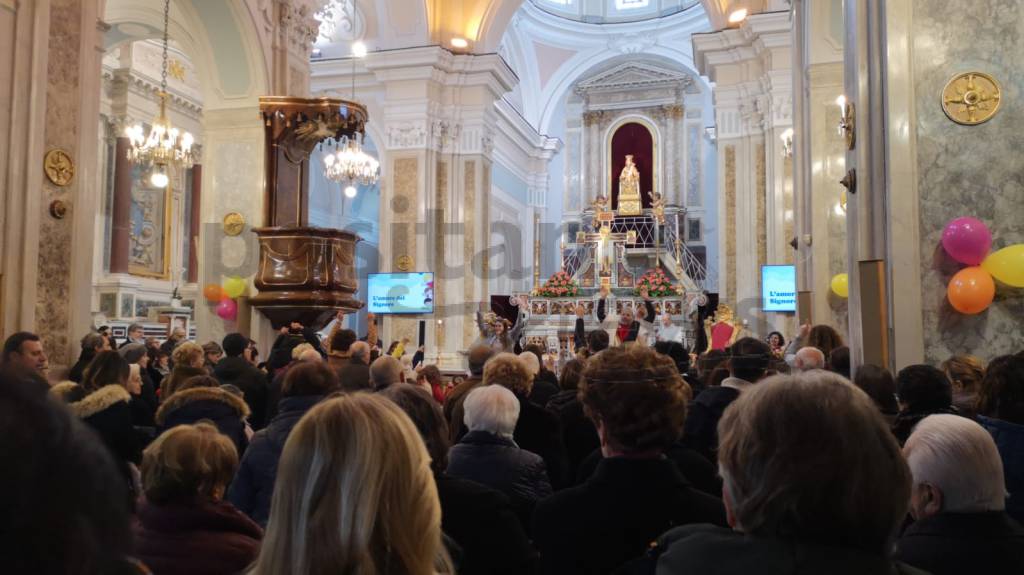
(559, 285)
(657, 284)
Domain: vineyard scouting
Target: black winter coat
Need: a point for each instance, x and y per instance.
(578, 433)
(107, 410)
(499, 463)
(698, 471)
(907, 420)
(612, 518)
(253, 383)
(226, 410)
(539, 431)
(700, 432)
(253, 485)
(1009, 438)
(545, 386)
(708, 549)
(483, 523)
(954, 543)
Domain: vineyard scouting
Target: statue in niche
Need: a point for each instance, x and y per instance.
(630, 203)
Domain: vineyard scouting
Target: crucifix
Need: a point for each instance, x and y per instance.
(604, 240)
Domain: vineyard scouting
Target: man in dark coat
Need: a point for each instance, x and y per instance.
(748, 364)
(305, 385)
(922, 390)
(234, 369)
(958, 500)
(354, 374)
(453, 413)
(635, 494)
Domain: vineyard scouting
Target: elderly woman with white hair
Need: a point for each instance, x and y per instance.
(489, 455)
(958, 498)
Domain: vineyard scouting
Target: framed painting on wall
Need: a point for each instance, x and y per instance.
(149, 244)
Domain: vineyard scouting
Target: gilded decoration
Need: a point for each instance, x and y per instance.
(233, 223)
(404, 263)
(150, 228)
(59, 167)
(971, 98)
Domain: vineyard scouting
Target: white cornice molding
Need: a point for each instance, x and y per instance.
(150, 88)
(758, 35)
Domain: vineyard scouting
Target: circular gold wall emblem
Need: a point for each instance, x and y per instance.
(234, 223)
(404, 263)
(971, 98)
(59, 167)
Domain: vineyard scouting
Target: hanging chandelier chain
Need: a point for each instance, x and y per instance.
(163, 72)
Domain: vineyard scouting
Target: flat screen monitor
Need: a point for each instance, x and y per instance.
(778, 288)
(401, 293)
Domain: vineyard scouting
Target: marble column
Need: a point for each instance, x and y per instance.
(120, 209)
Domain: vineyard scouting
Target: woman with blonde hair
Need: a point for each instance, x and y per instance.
(188, 360)
(354, 494)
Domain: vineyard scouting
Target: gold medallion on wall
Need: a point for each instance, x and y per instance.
(59, 167)
(233, 224)
(971, 98)
(404, 263)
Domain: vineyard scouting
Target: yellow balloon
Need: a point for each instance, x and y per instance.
(234, 286)
(841, 285)
(1007, 265)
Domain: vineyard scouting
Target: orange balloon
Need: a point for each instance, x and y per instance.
(971, 290)
(213, 292)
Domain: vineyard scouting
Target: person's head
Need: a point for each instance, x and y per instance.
(677, 352)
(310, 355)
(1001, 394)
(428, 418)
(67, 506)
(837, 478)
(188, 354)
(626, 317)
(808, 358)
(300, 349)
(965, 372)
(666, 320)
(776, 340)
(597, 341)
(956, 468)
(749, 359)
(93, 342)
(636, 399)
(825, 338)
(923, 388)
(710, 360)
(234, 344)
(188, 461)
(572, 374)
(360, 457)
(507, 370)
(178, 334)
(430, 374)
(839, 361)
(107, 368)
(309, 378)
(343, 340)
(478, 356)
(252, 353)
(385, 371)
(160, 358)
(880, 386)
(531, 362)
(213, 352)
(198, 381)
(136, 334)
(537, 351)
(360, 350)
(135, 353)
(25, 350)
(491, 408)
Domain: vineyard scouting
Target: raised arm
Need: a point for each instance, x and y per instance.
(521, 319)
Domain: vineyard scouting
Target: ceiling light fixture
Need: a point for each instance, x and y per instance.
(460, 43)
(738, 16)
(164, 145)
(349, 164)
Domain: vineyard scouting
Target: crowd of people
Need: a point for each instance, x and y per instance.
(338, 455)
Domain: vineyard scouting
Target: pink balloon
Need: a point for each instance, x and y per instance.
(227, 309)
(967, 240)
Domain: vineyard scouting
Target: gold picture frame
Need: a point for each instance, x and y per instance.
(142, 226)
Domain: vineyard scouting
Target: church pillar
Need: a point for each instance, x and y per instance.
(120, 209)
(751, 69)
(436, 188)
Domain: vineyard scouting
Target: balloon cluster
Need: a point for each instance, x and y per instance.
(968, 241)
(224, 296)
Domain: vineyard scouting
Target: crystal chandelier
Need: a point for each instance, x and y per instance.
(164, 145)
(351, 164)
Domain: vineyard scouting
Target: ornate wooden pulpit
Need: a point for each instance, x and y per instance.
(305, 273)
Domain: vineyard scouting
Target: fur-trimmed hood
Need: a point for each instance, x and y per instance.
(185, 397)
(84, 405)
